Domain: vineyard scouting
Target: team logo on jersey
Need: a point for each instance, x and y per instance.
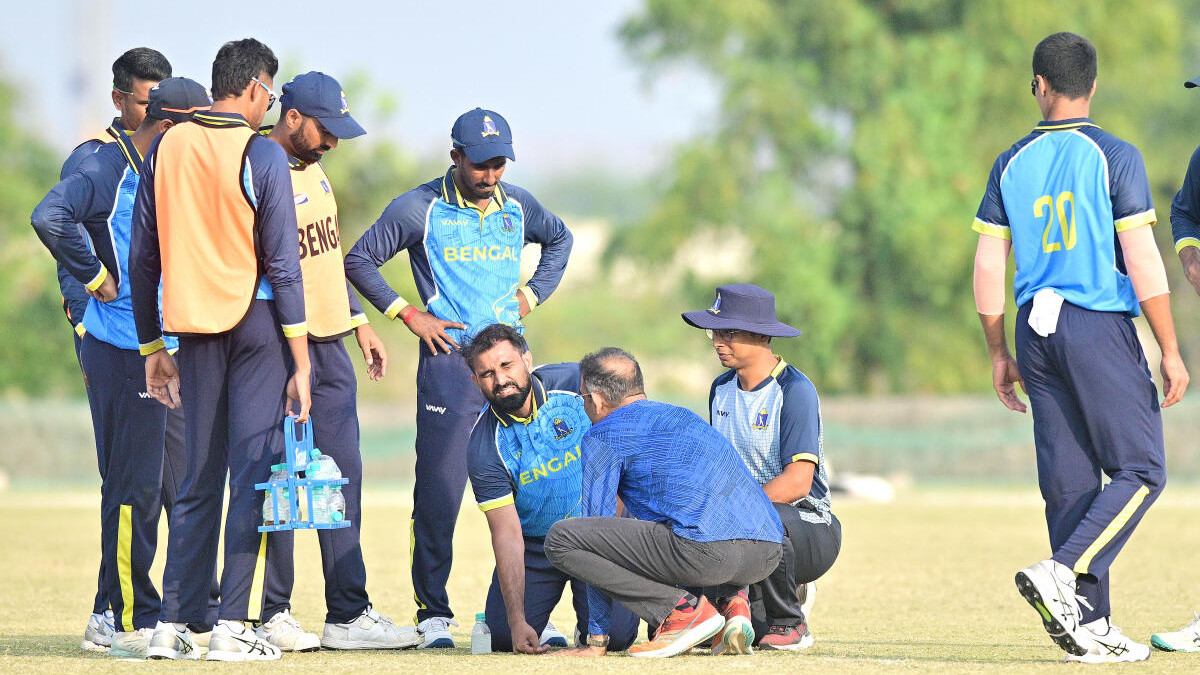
(300, 198)
(325, 186)
(716, 308)
(489, 127)
(345, 105)
(760, 420)
(508, 224)
(561, 430)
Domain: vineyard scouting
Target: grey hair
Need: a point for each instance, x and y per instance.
(612, 373)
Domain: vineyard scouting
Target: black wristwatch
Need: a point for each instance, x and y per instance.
(597, 640)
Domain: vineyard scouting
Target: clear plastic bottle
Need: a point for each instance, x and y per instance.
(279, 490)
(481, 636)
(336, 505)
(323, 467)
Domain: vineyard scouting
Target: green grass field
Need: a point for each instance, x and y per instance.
(923, 584)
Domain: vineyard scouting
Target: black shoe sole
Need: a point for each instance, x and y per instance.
(1057, 631)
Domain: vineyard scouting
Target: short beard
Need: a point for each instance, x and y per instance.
(304, 152)
(512, 402)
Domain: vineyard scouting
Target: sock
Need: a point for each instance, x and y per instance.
(687, 603)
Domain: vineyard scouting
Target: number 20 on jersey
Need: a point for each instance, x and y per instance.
(1047, 207)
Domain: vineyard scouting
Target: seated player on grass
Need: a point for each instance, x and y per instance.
(524, 462)
(770, 412)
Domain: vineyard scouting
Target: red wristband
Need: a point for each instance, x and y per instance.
(407, 313)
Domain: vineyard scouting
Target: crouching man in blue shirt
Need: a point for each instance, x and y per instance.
(524, 463)
(701, 519)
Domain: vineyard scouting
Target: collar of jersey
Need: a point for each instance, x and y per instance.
(293, 163)
(539, 399)
(451, 195)
(117, 130)
(219, 120)
(1065, 125)
(779, 367)
(130, 151)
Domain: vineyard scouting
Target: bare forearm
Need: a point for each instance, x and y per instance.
(508, 545)
(1190, 257)
(993, 332)
(792, 485)
(1158, 315)
(299, 349)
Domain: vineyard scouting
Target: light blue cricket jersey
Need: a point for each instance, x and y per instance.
(533, 463)
(775, 424)
(1061, 194)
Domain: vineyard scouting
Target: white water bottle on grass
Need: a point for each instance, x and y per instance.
(481, 636)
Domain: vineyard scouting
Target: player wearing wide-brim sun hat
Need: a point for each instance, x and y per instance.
(741, 307)
(771, 414)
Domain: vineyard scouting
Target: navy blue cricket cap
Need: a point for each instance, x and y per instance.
(741, 307)
(482, 134)
(1192, 83)
(177, 99)
(319, 95)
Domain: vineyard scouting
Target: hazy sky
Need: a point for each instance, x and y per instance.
(555, 70)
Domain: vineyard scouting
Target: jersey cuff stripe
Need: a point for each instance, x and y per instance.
(805, 457)
(359, 320)
(150, 347)
(990, 230)
(530, 296)
(291, 330)
(1136, 220)
(98, 279)
(80, 330)
(393, 310)
(496, 503)
(1186, 242)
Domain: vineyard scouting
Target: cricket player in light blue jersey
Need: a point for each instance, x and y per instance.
(1072, 203)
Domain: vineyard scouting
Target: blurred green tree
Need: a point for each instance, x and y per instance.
(36, 352)
(853, 142)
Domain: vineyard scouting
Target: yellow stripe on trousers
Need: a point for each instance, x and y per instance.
(1123, 516)
(412, 551)
(125, 565)
(254, 607)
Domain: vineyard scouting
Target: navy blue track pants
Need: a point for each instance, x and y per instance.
(335, 433)
(130, 428)
(448, 403)
(232, 386)
(100, 603)
(1095, 410)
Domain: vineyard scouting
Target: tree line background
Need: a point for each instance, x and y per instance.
(841, 171)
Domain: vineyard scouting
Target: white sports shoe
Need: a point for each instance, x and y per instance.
(369, 630)
(1186, 639)
(435, 632)
(97, 637)
(285, 632)
(552, 637)
(233, 641)
(132, 644)
(1049, 587)
(1110, 645)
(169, 642)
